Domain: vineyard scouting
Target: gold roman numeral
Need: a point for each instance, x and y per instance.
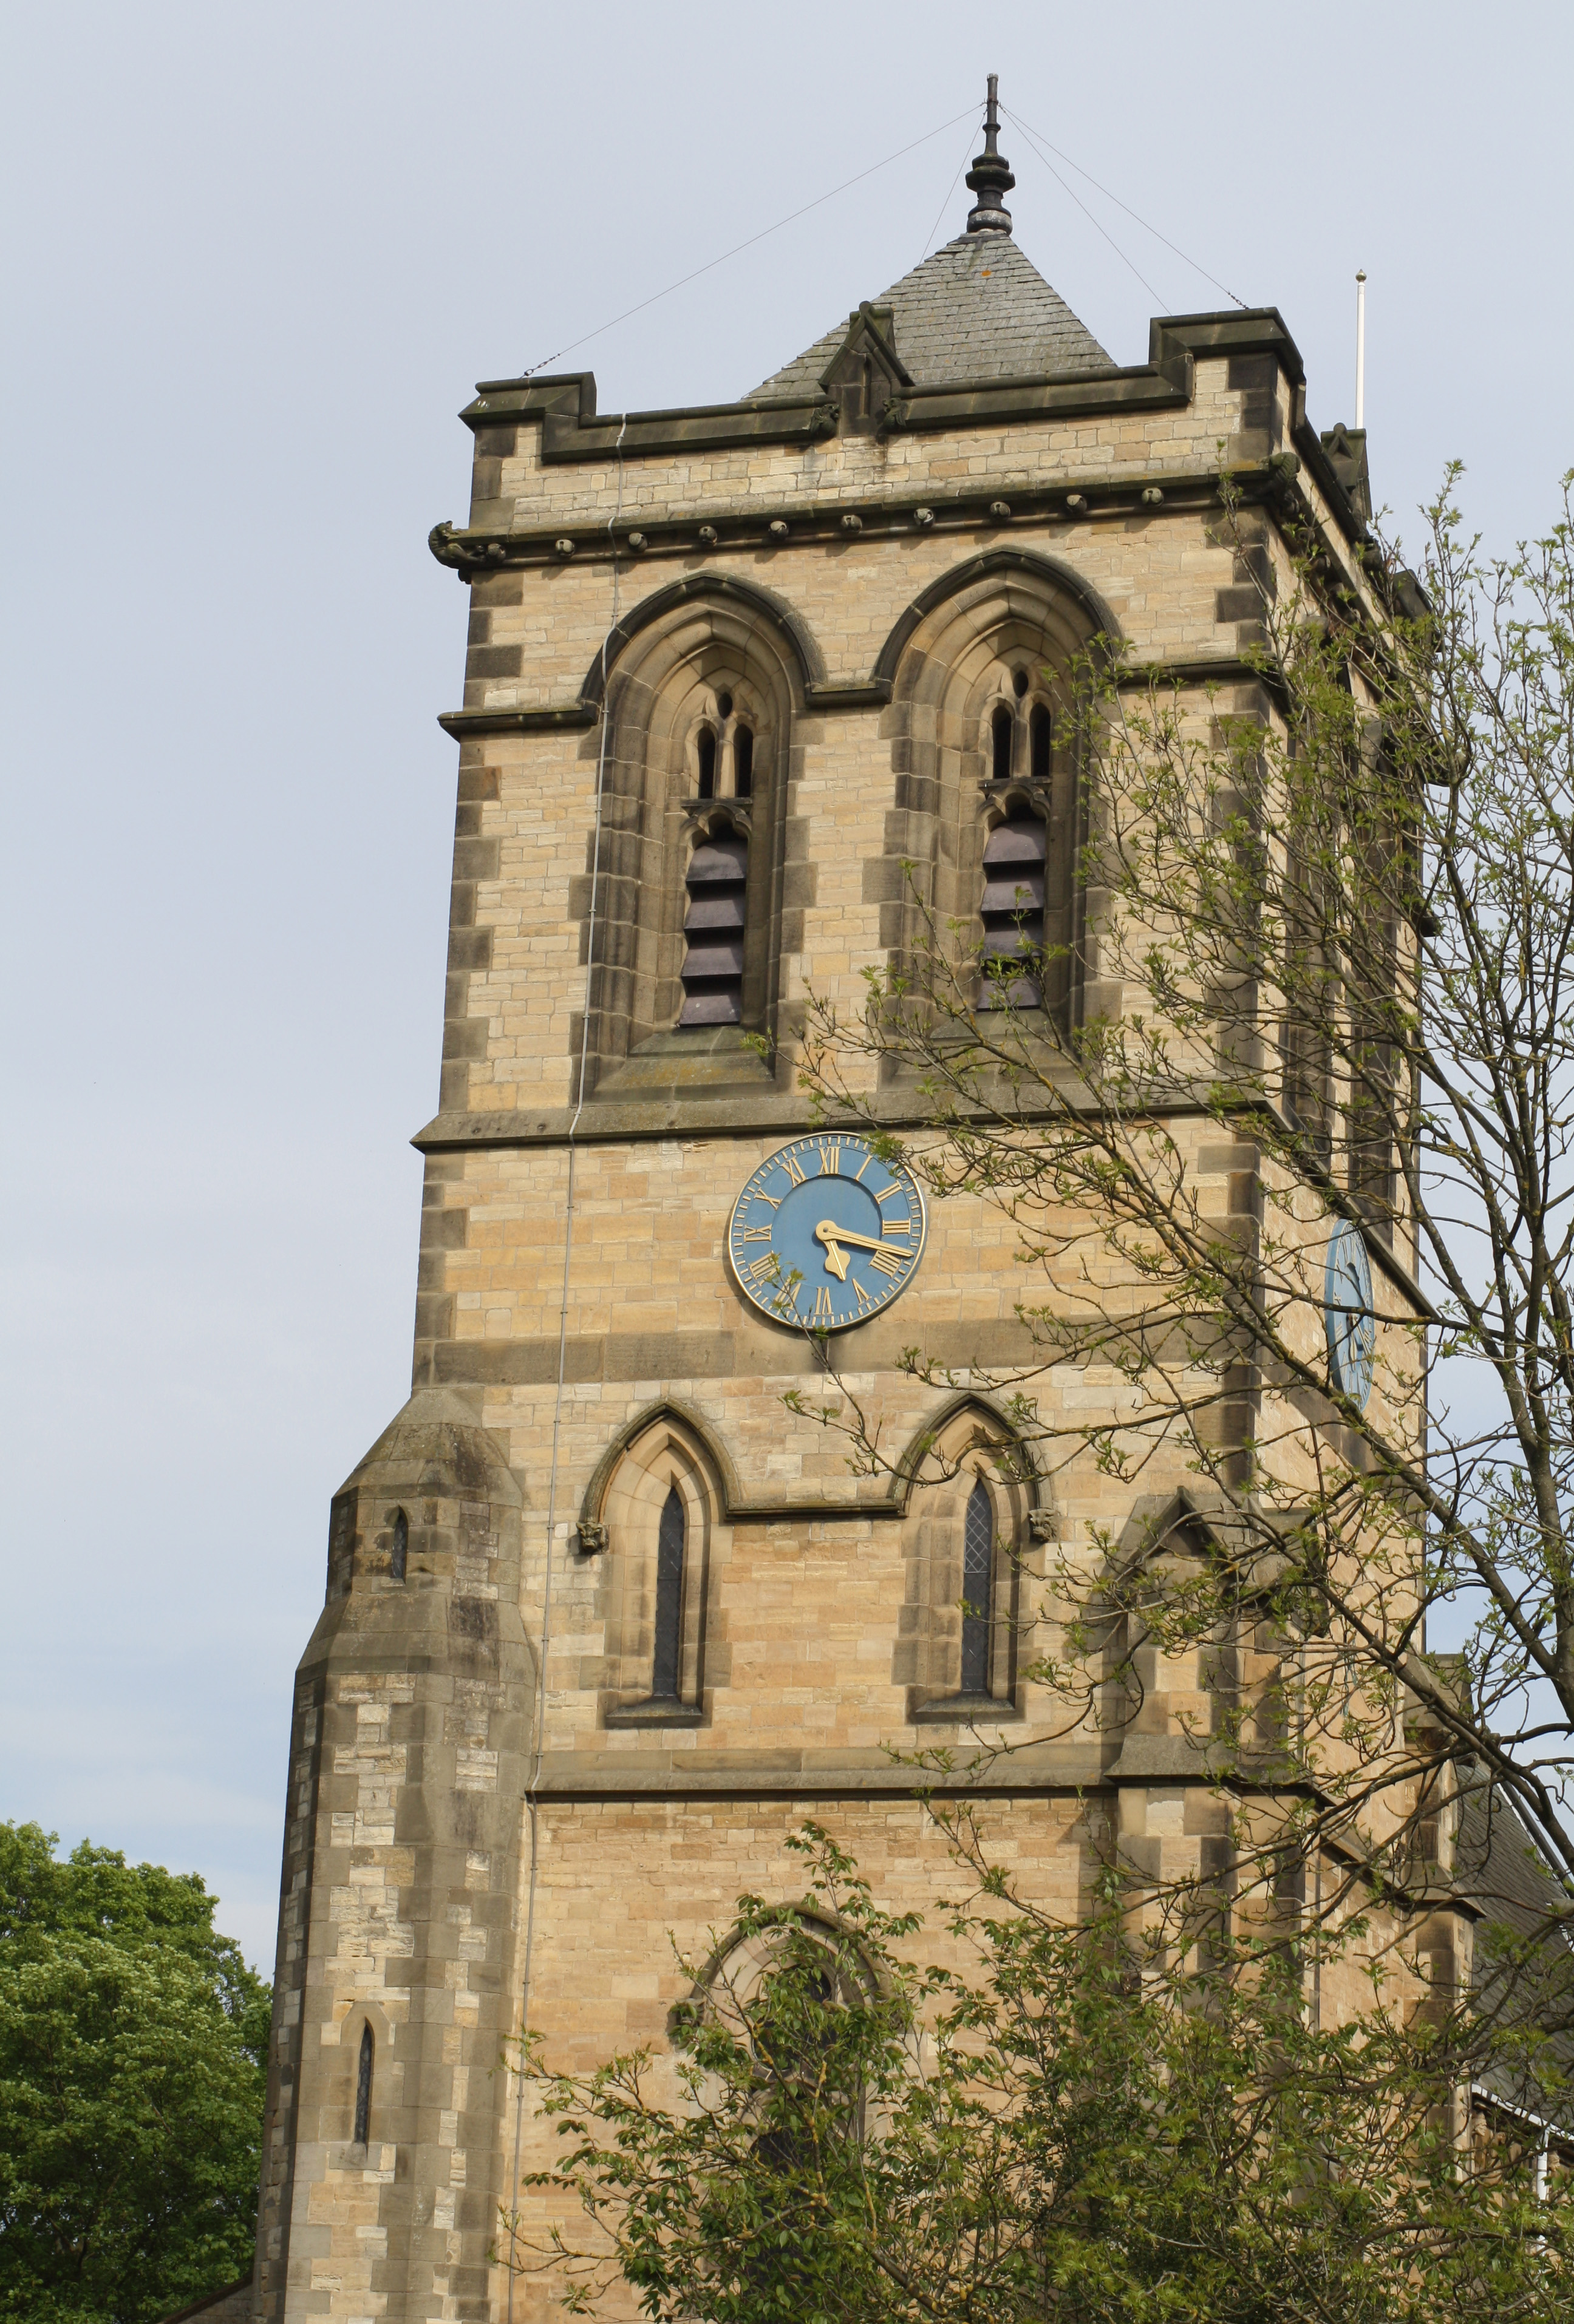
(896, 1187)
(822, 1310)
(756, 1235)
(864, 1299)
(830, 1160)
(775, 1201)
(896, 1226)
(765, 1270)
(794, 1169)
(862, 1167)
(889, 1263)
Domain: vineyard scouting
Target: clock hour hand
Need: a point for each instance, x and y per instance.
(835, 1257)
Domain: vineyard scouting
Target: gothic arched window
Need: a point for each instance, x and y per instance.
(968, 1569)
(652, 1512)
(978, 1590)
(778, 1991)
(364, 2089)
(669, 1625)
(701, 706)
(974, 660)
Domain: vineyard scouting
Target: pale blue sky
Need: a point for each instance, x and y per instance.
(258, 255)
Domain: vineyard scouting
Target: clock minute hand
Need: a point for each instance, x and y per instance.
(830, 1234)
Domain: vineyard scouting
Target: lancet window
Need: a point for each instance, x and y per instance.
(968, 1547)
(658, 1505)
(669, 1624)
(363, 2123)
(977, 1590)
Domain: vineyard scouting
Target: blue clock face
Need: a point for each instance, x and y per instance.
(825, 1235)
(1352, 1327)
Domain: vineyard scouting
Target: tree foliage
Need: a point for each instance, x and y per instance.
(1045, 2134)
(1330, 931)
(1323, 955)
(132, 2049)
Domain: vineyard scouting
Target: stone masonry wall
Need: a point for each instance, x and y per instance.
(824, 1619)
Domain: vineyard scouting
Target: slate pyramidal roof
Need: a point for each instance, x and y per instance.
(977, 309)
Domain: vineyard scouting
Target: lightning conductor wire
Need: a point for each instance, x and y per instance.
(537, 1738)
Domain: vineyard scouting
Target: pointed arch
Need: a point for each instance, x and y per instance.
(690, 670)
(365, 2080)
(728, 590)
(655, 1513)
(974, 1493)
(982, 669)
(691, 1424)
(1090, 615)
(994, 1427)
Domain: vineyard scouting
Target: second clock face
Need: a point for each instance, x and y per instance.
(1352, 1326)
(825, 1235)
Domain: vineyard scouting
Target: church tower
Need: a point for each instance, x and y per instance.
(604, 1622)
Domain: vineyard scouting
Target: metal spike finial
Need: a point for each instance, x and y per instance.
(990, 177)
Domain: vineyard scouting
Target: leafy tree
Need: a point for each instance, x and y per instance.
(132, 2049)
(1054, 2138)
(1330, 932)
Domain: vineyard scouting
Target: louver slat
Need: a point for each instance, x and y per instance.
(1013, 911)
(713, 967)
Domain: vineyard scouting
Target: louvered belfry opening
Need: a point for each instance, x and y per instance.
(713, 931)
(1012, 912)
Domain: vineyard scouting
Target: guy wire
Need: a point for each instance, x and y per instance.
(1039, 144)
(538, 1739)
(945, 206)
(765, 231)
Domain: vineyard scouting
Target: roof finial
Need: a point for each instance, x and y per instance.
(990, 178)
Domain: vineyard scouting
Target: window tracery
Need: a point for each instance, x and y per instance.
(1040, 737)
(983, 669)
(695, 904)
(1002, 734)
